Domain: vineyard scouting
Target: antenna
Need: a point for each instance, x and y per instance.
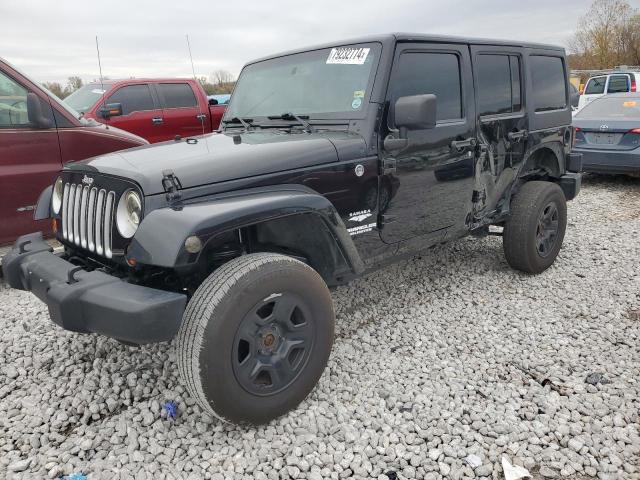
(101, 78)
(193, 70)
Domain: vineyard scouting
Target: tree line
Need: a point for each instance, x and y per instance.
(219, 82)
(608, 35)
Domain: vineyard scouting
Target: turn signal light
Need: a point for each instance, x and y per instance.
(54, 225)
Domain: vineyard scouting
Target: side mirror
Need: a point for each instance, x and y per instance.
(34, 112)
(213, 101)
(416, 112)
(110, 110)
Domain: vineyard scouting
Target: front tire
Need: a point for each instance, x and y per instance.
(256, 337)
(534, 232)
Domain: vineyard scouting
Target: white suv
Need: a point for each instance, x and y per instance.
(618, 82)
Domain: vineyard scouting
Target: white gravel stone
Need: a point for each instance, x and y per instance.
(437, 358)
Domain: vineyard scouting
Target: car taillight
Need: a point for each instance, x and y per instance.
(633, 84)
(635, 130)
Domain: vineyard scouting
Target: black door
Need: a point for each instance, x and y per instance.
(435, 171)
(502, 123)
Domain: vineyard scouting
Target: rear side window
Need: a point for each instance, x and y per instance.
(177, 95)
(595, 86)
(618, 84)
(499, 85)
(549, 83)
(133, 98)
(437, 73)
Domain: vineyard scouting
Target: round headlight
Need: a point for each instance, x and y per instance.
(56, 196)
(129, 213)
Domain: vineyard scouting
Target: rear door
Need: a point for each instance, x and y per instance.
(502, 122)
(141, 114)
(181, 111)
(595, 88)
(434, 173)
(29, 160)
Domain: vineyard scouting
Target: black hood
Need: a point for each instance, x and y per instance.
(222, 157)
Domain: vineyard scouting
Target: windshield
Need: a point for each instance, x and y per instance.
(320, 83)
(84, 98)
(612, 107)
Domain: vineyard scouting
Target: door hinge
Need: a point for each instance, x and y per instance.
(171, 184)
(389, 166)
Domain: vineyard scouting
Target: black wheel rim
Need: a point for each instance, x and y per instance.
(547, 230)
(273, 344)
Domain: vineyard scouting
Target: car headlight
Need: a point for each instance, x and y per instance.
(129, 213)
(56, 196)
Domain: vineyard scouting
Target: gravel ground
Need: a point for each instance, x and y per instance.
(443, 356)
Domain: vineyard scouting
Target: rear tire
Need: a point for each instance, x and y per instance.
(534, 232)
(256, 337)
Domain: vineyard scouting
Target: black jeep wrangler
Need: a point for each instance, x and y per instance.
(330, 161)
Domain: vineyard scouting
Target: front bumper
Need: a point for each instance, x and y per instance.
(92, 301)
(610, 161)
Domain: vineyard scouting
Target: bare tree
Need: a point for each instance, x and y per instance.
(221, 77)
(604, 35)
(74, 83)
(631, 36)
(55, 88)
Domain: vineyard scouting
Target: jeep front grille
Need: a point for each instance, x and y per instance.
(87, 214)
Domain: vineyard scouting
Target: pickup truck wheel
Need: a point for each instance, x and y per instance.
(256, 337)
(534, 232)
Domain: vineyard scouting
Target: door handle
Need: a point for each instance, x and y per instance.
(517, 136)
(461, 144)
(201, 117)
(157, 120)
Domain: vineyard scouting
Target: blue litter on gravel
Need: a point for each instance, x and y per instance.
(171, 408)
(75, 476)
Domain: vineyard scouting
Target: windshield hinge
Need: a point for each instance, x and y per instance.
(172, 186)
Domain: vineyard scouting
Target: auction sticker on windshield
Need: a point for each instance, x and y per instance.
(348, 55)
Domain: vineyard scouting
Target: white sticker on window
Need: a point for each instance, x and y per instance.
(97, 90)
(348, 55)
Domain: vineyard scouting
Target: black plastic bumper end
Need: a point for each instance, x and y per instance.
(570, 184)
(92, 301)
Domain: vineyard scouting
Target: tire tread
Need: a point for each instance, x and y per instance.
(516, 236)
(199, 310)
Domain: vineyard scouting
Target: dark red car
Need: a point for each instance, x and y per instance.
(156, 109)
(38, 134)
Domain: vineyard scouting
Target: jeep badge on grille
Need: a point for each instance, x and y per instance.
(87, 180)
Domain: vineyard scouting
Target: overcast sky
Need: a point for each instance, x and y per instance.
(51, 40)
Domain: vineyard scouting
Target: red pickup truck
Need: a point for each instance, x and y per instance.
(156, 109)
(38, 133)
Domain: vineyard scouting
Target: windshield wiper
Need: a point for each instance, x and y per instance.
(299, 118)
(247, 123)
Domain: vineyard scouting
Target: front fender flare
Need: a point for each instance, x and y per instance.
(43, 207)
(160, 238)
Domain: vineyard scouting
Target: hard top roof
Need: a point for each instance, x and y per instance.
(415, 37)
